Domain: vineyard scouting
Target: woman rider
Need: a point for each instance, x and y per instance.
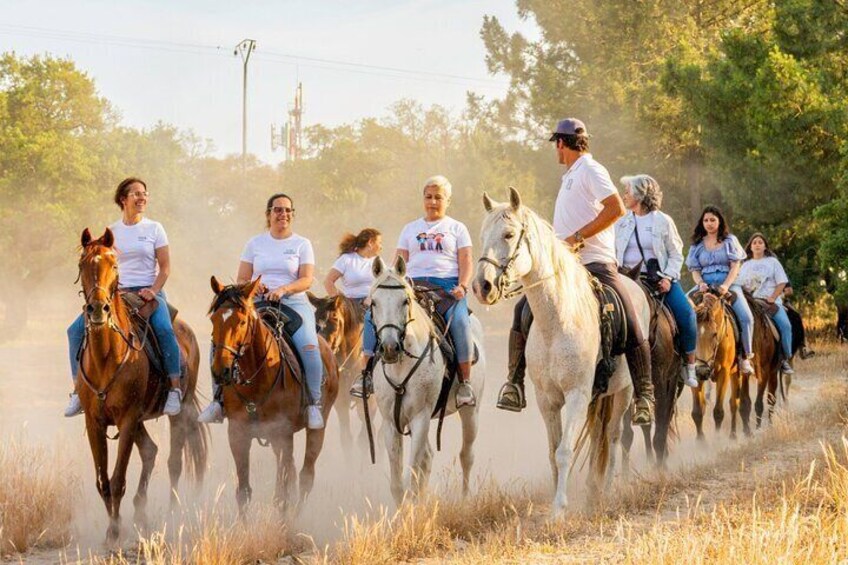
(448, 266)
(353, 265)
(714, 259)
(144, 264)
(649, 237)
(286, 263)
(763, 276)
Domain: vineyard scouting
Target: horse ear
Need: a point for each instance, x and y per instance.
(514, 198)
(314, 300)
(108, 238)
(216, 286)
(250, 289)
(400, 266)
(378, 267)
(85, 239)
(488, 203)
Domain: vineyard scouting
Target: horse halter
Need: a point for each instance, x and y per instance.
(504, 269)
(717, 338)
(239, 351)
(401, 329)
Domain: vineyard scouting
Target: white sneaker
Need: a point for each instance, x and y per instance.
(74, 407)
(786, 368)
(314, 418)
(212, 414)
(746, 367)
(174, 403)
(690, 378)
(465, 396)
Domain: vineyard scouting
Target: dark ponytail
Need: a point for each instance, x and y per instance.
(351, 243)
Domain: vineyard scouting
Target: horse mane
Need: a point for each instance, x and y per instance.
(571, 278)
(233, 294)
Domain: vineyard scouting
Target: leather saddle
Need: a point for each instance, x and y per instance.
(283, 322)
(140, 313)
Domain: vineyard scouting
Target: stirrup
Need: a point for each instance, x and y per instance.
(366, 387)
(505, 400)
(636, 420)
(471, 401)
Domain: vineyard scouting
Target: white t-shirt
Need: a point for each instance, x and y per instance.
(356, 274)
(584, 185)
(278, 260)
(632, 255)
(137, 245)
(761, 276)
(433, 247)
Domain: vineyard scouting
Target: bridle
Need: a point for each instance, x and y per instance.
(239, 351)
(400, 329)
(504, 269)
(717, 338)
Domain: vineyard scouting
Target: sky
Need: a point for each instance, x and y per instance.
(173, 61)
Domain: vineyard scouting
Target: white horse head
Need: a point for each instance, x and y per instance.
(392, 307)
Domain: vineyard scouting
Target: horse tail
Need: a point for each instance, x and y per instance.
(596, 430)
(196, 451)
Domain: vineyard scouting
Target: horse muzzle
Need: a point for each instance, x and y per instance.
(224, 377)
(97, 313)
(390, 352)
(485, 291)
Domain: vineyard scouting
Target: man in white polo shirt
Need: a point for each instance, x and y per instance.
(587, 207)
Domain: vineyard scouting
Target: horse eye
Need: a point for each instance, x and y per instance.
(509, 235)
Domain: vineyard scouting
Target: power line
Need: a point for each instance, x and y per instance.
(274, 57)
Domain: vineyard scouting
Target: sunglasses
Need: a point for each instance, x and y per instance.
(281, 210)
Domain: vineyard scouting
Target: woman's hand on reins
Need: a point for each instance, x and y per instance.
(458, 292)
(147, 294)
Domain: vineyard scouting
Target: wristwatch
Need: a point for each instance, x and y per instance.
(578, 237)
(464, 289)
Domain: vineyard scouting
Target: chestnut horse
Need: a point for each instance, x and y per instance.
(717, 359)
(117, 387)
(767, 359)
(261, 397)
(666, 367)
(340, 320)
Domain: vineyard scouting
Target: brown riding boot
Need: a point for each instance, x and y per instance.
(639, 363)
(511, 396)
(464, 392)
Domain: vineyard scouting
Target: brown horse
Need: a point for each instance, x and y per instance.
(717, 359)
(340, 322)
(261, 397)
(767, 359)
(666, 367)
(117, 387)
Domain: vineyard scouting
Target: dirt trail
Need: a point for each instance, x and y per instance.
(511, 451)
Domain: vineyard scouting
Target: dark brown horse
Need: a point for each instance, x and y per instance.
(340, 322)
(767, 359)
(666, 367)
(261, 397)
(717, 359)
(118, 388)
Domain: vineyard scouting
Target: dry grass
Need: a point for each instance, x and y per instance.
(214, 539)
(37, 493)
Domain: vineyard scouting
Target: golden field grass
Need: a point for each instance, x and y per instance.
(779, 497)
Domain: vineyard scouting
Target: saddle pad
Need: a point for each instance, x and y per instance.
(280, 319)
(734, 323)
(613, 335)
(141, 307)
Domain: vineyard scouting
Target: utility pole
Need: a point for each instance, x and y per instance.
(245, 48)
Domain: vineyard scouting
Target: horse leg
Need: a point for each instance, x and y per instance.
(699, 406)
(100, 454)
(175, 457)
(147, 450)
(575, 411)
(662, 422)
(620, 404)
(470, 419)
(422, 453)
(735, 385)
(394, 447)
(552, 416)
(772, 392)
(646, 437)
(240, 441)
(314, 444)
(118, 482)
(342, 408)
(744, 402)
(758, 403)
(626, 441)
(283, 445)
(721, 388)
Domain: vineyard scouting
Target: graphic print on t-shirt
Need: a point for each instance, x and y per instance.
(431, 242)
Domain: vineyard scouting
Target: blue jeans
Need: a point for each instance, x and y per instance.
(740, 308)
(684, 314)
(306, 341)
(160, 321)
(784, 326)
(460, 328)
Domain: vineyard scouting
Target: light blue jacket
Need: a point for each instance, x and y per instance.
(666, 242)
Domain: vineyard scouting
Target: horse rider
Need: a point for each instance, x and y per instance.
(144, 264)
(647, 237)
(587, 207)
(763, 276)
(715, 259)
(353, 265)
(286, 263)
(448, 266)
